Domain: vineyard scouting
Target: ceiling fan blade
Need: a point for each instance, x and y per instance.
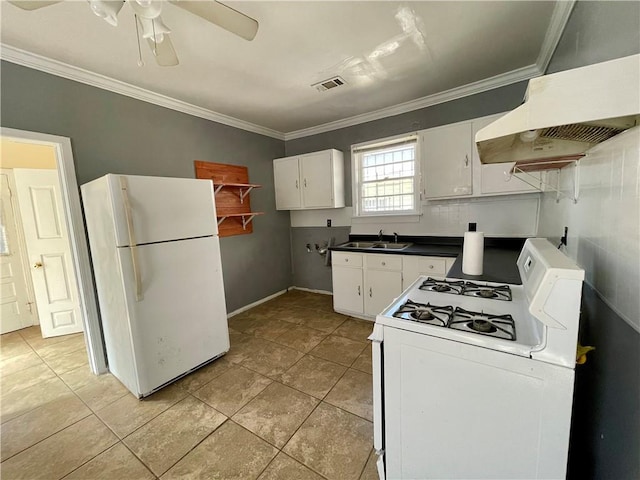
(221, 15)
(164, 52)
(33, 4)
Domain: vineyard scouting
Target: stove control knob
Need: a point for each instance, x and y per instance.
(383, 264)
(431, 267)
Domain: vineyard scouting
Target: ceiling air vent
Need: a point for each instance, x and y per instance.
(329, 84)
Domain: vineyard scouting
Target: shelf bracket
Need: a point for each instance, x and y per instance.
(524, 176)
(218, 188)
(221, 219)
(244, 193)
(245, 221)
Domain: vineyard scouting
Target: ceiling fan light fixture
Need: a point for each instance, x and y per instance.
(153, 29)
(107, 10)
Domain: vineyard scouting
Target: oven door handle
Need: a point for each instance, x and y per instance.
(377, 337)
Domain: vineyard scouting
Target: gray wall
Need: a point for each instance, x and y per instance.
(111, 133)
(605, 438)
(309, 269)
(598, 31)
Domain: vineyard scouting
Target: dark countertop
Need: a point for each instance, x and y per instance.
(499, 266)
(500, 255)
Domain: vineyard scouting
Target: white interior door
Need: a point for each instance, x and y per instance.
(15, 307)
(49, 251)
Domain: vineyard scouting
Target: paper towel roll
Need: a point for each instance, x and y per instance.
(473, 253)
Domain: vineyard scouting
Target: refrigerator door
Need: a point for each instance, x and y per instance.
(182, 320)
(159, 209)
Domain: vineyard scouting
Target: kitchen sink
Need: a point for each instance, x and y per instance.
(376, 245)
(392, 246)
(358, 245)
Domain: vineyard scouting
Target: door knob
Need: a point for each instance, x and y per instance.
(37, 265)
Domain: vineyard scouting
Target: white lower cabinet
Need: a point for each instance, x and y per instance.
(413, 266)
(365, 284)
(348, 290)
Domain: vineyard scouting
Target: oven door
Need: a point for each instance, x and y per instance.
(376, 338)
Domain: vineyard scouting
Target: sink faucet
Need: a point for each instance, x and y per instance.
(395, 237)
(380, 235)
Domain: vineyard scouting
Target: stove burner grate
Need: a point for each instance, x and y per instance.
(500, 326)
(442, 286)
(425, 313)
(497, 292)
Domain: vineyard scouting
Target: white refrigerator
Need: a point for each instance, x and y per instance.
(156, 258)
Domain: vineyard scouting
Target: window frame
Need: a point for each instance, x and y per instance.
(357, 151)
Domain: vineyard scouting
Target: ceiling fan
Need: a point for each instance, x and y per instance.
(154, 30)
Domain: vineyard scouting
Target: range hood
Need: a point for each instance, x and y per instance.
(564, 115)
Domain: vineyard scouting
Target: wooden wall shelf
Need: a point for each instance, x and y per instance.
(232, 188)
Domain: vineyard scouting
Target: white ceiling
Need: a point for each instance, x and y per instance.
(389, 53)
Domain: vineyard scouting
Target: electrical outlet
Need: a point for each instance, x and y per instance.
(328, 222)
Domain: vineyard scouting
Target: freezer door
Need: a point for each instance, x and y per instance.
(181, 320)
(160, 209)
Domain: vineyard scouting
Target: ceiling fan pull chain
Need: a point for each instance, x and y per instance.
(140, 62)
(155, 39)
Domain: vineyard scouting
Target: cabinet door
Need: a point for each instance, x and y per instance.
(286, 178)
(414, 266)
(380, 289)
(347, 289)
(317, 180)
(447, 160)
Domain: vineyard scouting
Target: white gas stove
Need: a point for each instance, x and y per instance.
(483, 366)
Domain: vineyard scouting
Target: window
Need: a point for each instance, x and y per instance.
(386, 180)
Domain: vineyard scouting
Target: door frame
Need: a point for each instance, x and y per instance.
(77, 238)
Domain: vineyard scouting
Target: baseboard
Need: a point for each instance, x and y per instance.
(256, 303)
(312, 290)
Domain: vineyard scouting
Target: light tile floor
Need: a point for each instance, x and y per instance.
(291, 400)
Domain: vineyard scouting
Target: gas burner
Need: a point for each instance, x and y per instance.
(499, 326)
(425, 313)
(497, 292)
(442, 286)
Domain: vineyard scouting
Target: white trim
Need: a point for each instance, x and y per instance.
(312, 290)
(255, 304)
(559, 18)
(514, 76)
(77, 238)
(60, 69)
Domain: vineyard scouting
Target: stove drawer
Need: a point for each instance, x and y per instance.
(384, 262)
(346, 259)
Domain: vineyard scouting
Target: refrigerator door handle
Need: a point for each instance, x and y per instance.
(132, 238)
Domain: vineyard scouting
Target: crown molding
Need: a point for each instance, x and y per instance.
(60, 69)
(559, 18)
(514, 76)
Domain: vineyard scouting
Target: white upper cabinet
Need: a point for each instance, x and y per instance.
(446, 153)
(312, 180)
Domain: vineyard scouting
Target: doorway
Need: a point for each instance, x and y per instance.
(75, 273)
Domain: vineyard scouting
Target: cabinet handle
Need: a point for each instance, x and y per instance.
(466, 160)
(370, 292)
(296, 183)
(358, 290)
(305, 183)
